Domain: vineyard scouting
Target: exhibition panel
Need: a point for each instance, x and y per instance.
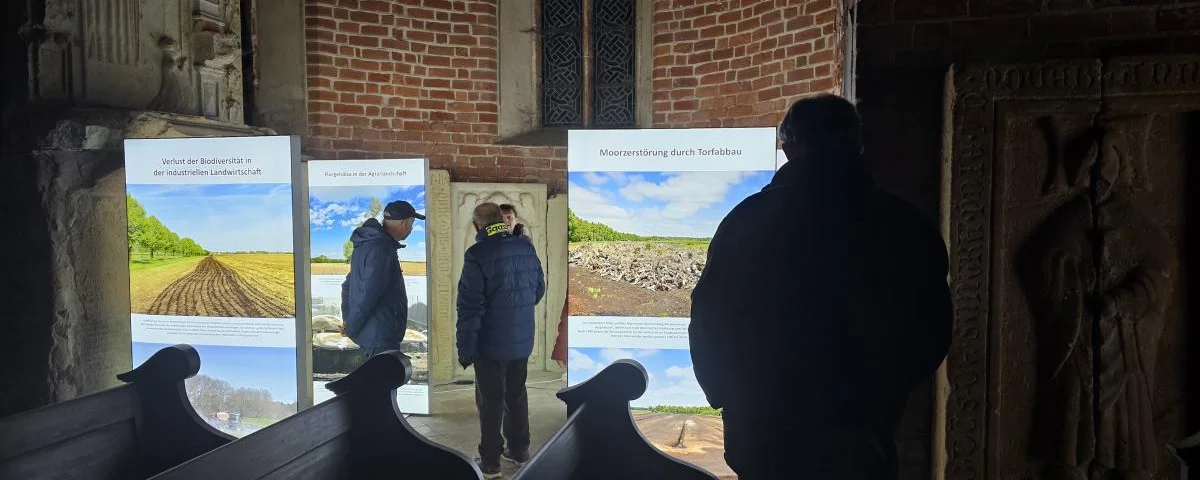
(212, 231)
(342, 195)
(644, 205)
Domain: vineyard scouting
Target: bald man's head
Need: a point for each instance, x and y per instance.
(486, 214)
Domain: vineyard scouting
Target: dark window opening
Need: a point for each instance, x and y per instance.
(588, 58)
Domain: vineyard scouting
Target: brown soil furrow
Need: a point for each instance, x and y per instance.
(245, 290)
(214, 289)
(227, 294)
(262, 304)
(237, 295)
(196, 297)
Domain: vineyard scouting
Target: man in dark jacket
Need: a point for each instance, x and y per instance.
(823, 303)
(502, 282)
(374, 301)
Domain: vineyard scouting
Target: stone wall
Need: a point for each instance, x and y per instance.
(174, 56)
(906, 47)
(421, 78)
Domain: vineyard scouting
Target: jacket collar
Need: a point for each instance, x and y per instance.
(840, 174)
(493, 230)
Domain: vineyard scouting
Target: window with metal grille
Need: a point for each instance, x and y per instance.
(587, 69)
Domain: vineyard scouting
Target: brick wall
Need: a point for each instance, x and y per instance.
(392, 78)
(741, 63)
(419, 77)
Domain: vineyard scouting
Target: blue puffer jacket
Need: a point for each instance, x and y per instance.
(374, 301)
(502, 281)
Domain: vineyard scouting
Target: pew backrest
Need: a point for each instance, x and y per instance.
(600, 439)
(360, 433)
(132, 431)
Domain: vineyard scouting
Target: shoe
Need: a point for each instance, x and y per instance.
(517, 458)
(489, 471)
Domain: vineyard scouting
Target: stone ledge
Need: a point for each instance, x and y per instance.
(105, 128)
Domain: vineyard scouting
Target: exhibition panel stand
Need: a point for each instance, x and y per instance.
(643, 205)
(218, 260)
(342, 195)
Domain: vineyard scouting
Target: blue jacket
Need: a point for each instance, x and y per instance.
(502, 282)
(374, 302)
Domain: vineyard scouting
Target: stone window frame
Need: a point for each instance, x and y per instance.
(519, 111)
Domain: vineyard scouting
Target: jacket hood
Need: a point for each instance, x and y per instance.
(372, 231)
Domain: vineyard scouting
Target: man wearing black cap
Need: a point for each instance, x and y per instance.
(374, 301)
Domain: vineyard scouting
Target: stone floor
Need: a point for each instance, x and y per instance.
(455, 422)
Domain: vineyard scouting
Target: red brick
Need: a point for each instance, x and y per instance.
(364, 17)
(364, 41)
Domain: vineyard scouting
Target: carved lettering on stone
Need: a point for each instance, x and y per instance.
(440, 276)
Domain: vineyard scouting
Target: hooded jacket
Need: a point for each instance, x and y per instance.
(502, 281)
(823, 303)
(374, 301)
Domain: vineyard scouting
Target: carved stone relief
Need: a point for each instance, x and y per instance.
(530, 202)
(441, 286)
(1065, 224)
(174, 56)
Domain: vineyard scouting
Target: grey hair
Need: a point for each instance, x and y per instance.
(486, 214)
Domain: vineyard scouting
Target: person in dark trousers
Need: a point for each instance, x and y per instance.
(502, 281)
(823, 303)
(374, 301)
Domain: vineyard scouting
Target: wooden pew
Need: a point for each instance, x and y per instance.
(600, 439)
(133, 431)
(357, 434)
(1188, 452)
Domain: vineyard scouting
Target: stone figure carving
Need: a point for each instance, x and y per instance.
(1098, 277)
(171, 96)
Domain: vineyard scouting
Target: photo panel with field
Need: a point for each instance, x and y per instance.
(643, 206)
(343, 194)
(210, 230)
(238, 390)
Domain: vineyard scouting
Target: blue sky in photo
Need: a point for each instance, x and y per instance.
(272, 368)
(669, 204)
(334, 213)
(223, 218)
(672, 381)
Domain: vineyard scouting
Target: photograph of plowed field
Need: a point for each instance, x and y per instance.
(237, 285)
(696, 439)
(342, 268)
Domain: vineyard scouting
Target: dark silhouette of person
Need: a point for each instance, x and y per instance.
(824, 301)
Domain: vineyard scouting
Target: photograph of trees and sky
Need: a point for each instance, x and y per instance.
(239, 389)
(638, 240)
(211, 250)
(334, 213)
